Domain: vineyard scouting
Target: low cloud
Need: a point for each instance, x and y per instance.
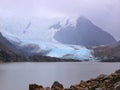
(105, 13)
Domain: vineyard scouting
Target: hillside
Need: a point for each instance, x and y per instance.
(84, 33)
(108, 52)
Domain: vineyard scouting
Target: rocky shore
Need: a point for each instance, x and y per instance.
(102, 82)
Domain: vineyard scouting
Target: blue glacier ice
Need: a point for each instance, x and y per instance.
(44, 39)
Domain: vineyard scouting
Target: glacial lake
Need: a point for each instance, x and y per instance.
(18, 76)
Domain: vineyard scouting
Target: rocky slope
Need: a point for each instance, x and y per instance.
(102, 82)
(6, 45)
(84, 33)
(108, 52)
(8, 51)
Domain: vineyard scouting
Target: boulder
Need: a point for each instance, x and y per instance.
(57, 86)
(117, 86)
(35, 87)
(118, 71)
(102, 76)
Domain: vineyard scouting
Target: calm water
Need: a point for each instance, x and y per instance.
(18, 76)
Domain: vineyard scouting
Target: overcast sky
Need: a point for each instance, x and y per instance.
(104, 13)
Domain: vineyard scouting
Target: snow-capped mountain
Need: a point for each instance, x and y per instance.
(34, 37)
(84, 33)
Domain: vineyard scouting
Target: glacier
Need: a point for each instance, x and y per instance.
(45, 41)
(70, 53)
(55, 49)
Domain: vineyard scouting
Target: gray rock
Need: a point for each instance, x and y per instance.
(57, 85)
(98, 89)
(118, 71)
(117, 86)
(102, 76)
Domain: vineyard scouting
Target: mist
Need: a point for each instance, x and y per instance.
(104, 14)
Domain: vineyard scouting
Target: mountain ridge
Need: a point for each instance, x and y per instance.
(85, 33)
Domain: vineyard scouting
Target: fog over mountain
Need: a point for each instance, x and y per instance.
(104, 14)
(84, 33)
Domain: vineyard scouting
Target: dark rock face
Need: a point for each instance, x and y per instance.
(57, 86)
(35, 87)
(7, 45)
(9, 56)
(84, 33)
(9, 52)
